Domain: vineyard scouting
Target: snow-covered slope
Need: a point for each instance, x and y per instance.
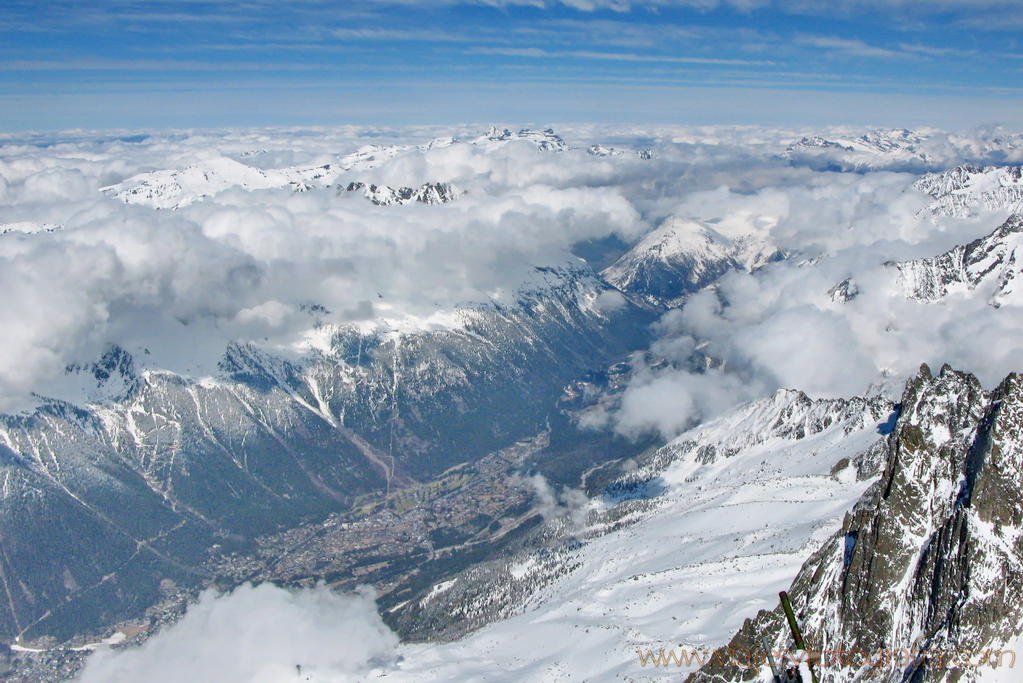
(680, 550)
(902, 150)
(683, 256)
(372, 156)
(545, 140)
(173, 189)
(967, 189)
(992, 263)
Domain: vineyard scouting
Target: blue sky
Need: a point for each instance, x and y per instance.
(209, 63)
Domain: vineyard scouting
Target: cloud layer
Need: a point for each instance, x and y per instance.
(257, 634)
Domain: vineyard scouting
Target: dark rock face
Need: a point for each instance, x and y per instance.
(928, 562)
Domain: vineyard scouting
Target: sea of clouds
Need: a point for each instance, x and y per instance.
(81, 270)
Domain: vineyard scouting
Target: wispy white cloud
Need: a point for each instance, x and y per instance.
(540, 53)
(379, 33)
(845, 46)
(169, 65)
(931, 51)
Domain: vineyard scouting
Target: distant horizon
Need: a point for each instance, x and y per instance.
(466, 130)
(158, 64)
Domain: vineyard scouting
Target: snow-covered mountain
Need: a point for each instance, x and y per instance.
(887, 142)
(991, 263)
(601, 151)
(902, 150)
(382, 195)
(966, 189)
(683, 256)
(545, 140)
(908, 517)
(175, 189)
(897, 149)
(926, 565)
(171, 189)
(127, 486)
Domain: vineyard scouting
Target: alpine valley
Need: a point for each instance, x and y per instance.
(567, 401)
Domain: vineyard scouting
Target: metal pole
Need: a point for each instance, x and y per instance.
(770, 660)
(796, 634)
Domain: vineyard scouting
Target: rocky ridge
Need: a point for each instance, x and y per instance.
(992, 262)
(967, 189)
(928, 561)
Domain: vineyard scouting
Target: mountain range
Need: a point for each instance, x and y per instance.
(454, 470)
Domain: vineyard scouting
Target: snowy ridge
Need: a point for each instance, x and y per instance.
(545, 140)
(683, 256)
(816, 142)
(170, 189)
(901, 150)
(993, 261)
(787, 415)
(895, 140)
(382, 195)
(967, 189)
(28, 228)
(679, 551)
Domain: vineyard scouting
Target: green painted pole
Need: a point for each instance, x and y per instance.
(796, 634)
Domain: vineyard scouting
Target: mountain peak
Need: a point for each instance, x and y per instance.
(682, 256)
